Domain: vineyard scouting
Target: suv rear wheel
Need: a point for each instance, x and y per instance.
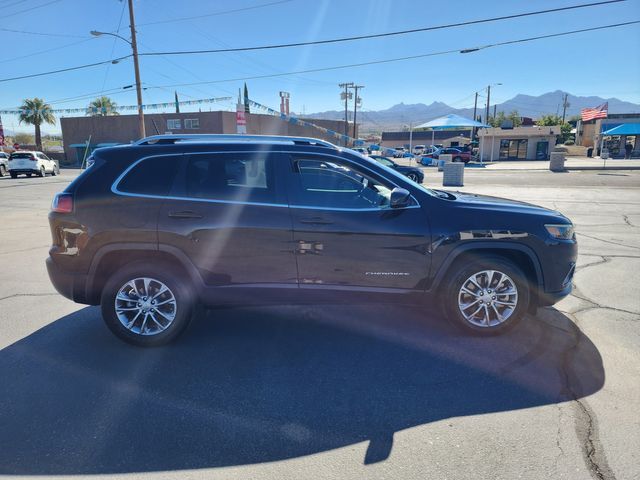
(42, 173)
(3, 171)
(145, 306)
(487, 296)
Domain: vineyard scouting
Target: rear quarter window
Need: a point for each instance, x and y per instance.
(151, 176)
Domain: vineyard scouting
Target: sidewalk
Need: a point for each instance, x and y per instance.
(572, 163)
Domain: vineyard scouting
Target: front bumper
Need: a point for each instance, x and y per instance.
(546, 299)
(71, 285)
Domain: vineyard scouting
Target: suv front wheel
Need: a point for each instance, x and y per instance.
(144, 305)
(487, 296)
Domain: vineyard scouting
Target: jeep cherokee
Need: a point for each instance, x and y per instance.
(154, 229)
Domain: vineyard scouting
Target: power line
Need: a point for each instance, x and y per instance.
(387, 34)
(224, 12)
(42, 33)
(410, 57)
(68, 69)
(39, 52)
(30, 9)
(339, 67)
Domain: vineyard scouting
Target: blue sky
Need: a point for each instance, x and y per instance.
(602, 63)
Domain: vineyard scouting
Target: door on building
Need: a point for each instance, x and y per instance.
(513, 149)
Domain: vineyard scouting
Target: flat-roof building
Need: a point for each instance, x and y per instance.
(102, 131)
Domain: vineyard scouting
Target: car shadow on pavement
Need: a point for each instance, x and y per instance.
(251, 385)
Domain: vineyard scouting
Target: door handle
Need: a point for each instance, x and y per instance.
(316, 221)
(184, 214)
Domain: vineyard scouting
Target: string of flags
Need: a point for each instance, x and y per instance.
(346, 139)
(123, 108)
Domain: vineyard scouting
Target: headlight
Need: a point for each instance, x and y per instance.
(563, 232)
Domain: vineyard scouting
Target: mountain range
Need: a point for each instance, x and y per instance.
(526, 105)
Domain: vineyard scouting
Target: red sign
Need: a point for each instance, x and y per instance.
(240, 118)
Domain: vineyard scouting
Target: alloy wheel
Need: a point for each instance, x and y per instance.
(145, 306)
(488, 298)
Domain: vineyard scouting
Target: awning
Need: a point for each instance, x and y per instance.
(624, 129)
(451, 121)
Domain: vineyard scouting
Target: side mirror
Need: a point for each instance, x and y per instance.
(400, 198)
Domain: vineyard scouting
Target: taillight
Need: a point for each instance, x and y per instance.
(62, 203)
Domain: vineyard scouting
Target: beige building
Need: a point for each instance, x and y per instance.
(117, 129)
(519, 143)
(588, 133)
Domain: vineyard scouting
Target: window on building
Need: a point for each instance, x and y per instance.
(191, 123)
(174, 124)
(152, 176)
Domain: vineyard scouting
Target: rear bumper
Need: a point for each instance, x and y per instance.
(20, 171)
(71, 285)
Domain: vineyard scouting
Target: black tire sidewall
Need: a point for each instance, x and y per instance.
(463, 272)
(176, 283)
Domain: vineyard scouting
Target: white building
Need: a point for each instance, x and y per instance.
(519, 143)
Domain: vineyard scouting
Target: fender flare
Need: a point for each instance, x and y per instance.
(443, 269)
(178, 254)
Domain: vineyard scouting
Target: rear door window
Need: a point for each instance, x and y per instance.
(239, 177)
(152, 176)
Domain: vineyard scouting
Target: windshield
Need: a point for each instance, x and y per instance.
(21, 155)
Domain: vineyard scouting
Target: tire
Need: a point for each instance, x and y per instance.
(457, 159)
(161, 324)
(412, 176)
(13, 175)
(42, 173)
(55, 171)
(3, 170)
(501, 316)
(28, 175)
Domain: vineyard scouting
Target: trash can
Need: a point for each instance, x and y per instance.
(604, 154)
(590, 152)
(453, 174)
(556, 164)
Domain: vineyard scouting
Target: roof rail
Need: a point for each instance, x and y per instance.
(227, 138)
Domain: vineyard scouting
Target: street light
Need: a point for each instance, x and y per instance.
(134, 47)
(410, 126)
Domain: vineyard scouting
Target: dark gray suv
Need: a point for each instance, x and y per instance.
(153, 229)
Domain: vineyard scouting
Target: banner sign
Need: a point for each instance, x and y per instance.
(124, 108)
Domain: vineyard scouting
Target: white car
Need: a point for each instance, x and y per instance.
(418, 149)
(31, 163)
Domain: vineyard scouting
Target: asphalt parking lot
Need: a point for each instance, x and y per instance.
(347, 391)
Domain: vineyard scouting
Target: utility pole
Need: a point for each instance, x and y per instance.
(565, 105)
(475, 118)
(486, 116)
(345, 96)
(356, 100)
(134, 46)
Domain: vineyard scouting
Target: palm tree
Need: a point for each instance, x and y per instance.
(101, 107)
(35, 111)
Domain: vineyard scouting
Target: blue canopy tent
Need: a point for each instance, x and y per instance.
(624, 129)
(451, 121)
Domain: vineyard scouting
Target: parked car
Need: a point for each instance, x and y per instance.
(361, 150)
(413, 173)
(418, 149)
(30, 163)
(434, 152)
(4, 164)
(458, 155)
(400, 151)
(155, 228)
